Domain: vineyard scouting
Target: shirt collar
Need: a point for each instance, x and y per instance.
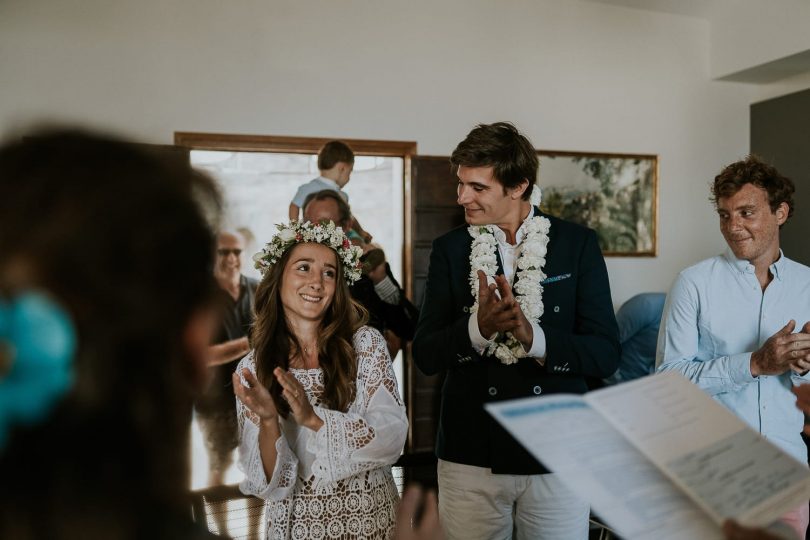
(329, 181)
(777, 268)
(500, 236)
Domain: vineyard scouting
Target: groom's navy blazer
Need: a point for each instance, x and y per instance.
(581, 340)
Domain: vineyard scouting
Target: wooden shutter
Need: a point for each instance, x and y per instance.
(434, 211)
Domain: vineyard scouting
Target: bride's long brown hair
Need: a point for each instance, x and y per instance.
(274, 342)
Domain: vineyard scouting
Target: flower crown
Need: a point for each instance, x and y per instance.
(325, 232)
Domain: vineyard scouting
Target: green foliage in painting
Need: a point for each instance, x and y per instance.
(617, 201)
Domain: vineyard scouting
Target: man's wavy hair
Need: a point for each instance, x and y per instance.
(501, 146)
(752, 170)
(274, 342)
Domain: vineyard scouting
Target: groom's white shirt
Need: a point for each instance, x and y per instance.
(509, 255)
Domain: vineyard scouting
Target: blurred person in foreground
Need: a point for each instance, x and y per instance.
(105, 322)
(735, 531)
(320, 416)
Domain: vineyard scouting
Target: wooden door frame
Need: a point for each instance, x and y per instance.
(310, 145)
(230, 142)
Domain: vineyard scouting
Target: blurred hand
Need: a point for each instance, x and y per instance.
(393, 341)
(803, 402)
(735, 531)
(427, 527)
(377, 274)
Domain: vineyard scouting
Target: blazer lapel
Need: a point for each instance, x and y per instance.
(500, 262)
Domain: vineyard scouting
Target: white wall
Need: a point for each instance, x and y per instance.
(573, 75)
(783, 87)
(749, 33)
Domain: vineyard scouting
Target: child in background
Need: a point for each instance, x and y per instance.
(336, 162)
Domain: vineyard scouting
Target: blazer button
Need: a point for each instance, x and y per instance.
(537, 390)
(492, 390)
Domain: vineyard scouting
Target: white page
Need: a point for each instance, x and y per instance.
(601, 467)
(730, 469)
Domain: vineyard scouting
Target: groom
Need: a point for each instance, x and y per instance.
(498, 349)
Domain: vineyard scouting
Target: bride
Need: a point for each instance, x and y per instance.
(320, 416)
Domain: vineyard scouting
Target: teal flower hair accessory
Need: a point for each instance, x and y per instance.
(37, 346)
(325, 232)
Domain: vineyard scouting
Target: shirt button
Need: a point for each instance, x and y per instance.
(537, 390)
(492, 391)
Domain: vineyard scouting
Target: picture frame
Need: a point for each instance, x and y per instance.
(616, 195)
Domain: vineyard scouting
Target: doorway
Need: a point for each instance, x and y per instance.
(258, 176)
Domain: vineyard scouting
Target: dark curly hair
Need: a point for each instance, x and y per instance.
(501, 146)
(752, 170)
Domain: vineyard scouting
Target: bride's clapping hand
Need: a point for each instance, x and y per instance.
(296, 396)
(255, 396)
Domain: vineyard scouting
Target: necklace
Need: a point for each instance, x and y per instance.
(306, 362)
(528, 276)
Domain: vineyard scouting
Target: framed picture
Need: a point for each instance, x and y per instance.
(614, 194)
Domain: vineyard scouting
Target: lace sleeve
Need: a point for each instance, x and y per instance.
(372, 433)
(282, 482)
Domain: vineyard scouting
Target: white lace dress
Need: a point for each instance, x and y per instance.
(336, 482)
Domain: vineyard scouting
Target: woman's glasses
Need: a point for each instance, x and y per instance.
(226, 252)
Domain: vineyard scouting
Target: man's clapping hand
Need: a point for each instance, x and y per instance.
(499, 311)
(783, 351)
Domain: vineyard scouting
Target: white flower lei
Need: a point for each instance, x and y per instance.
(528, 290)
(325, 233)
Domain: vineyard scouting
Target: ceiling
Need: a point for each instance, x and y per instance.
(691, 8)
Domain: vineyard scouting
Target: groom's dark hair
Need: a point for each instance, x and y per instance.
(502, 147)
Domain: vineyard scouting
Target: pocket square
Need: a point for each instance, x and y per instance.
(552, 279)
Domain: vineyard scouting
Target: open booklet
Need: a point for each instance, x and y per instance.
(658, 458)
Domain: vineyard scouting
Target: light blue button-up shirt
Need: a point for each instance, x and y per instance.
(715, 316)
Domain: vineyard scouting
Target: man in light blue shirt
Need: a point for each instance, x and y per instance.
(738, 324)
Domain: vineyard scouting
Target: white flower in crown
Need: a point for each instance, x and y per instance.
(325, 233)
(528, 278)
(286, 235)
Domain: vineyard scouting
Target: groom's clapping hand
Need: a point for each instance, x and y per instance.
(498, 311)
